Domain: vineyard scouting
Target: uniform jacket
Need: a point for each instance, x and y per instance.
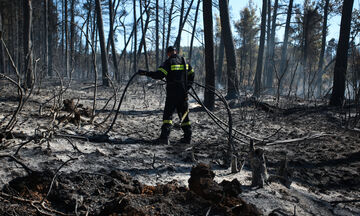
(173, 70)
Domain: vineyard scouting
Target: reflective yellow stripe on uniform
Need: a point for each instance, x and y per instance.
(163, 70)
(167, 121)
(185, 124)
(177, 67)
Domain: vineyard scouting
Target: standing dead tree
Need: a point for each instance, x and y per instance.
(259, 65)
(28, 44)
(209, 96)
(194, 30)
(0, 25)
(112, 14)
(104, 60)
(229, 49)
(337, 96)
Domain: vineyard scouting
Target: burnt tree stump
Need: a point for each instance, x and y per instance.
(258, 166)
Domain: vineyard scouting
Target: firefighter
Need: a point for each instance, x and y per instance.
(179, 76)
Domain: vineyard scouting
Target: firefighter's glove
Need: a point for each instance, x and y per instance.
(142, 72)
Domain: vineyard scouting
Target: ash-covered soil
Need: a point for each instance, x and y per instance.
(124, 173)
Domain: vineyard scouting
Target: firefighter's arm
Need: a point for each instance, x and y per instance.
(161, 72)
(152, 74)
(191, 75)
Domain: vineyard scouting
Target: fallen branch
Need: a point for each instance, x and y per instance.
(27, 169)
(313, 136)
(345, 201)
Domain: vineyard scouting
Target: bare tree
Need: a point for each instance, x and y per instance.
(177, 41)
(143, 32)
(169, 23)
(268, 46)
(112, 42)
(135, 35)
(323, 44)
(220, 60)
(67, 61)
(163, 32)
(209, 96)
(286, 39)
(259, 65)
(182, 24)
(337, 96)
(29, 73)
(1, 25)
(157, 33)
(104, 60)
(72, 34)
(271, 45)
(2, 56)
(229, 49)
(46, 41)
(194, 30)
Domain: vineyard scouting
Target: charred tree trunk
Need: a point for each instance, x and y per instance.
(323, 44)
(220, 60)
(104, 60)
(182, 24)
(337, 96)
(52, 36)
(67, 61)
(63, 31)
(229, 49)
(143, 31)
(112, 42)
(135, 36)
(72, 34)
(163, 33)
(270, 68)
(29, 73)
(285, 42)
(93, 40)
(169, 24)
(86, 60)
(268, 35)
(209, 96)
(2, 56)
(157, 34)
(177, 41)
(194, 30)
(259, 65)
(46, 41)
(1, 26)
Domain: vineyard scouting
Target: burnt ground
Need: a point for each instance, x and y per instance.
(124, 173)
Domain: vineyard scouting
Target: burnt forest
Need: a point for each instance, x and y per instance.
(179, 107)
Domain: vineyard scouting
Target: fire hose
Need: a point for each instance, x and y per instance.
(227, 127)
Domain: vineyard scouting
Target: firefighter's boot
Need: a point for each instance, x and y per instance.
(187, 135)
(164, 136)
